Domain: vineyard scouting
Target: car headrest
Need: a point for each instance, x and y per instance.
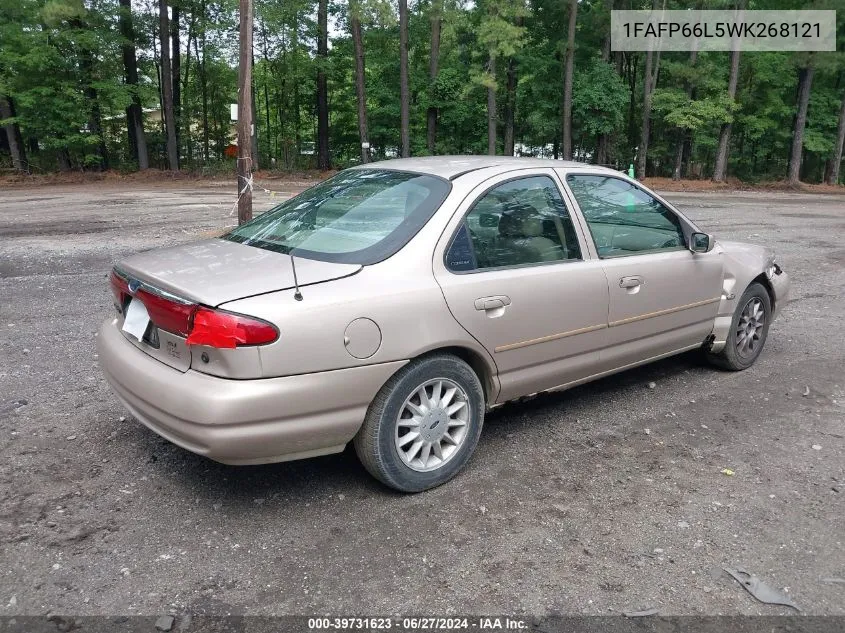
(520, 222)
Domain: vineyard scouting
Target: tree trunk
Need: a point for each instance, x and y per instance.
(63, 157)
(604, 139)
(13, 134)
(601, 149)
(836, 161)
(433, 63)
(167, 88)
(679, 156)
(245, 119)
(271, 154)
(720, 169)
(128, 52)
(154, 38)
(360, 81)
(134, 114)
(631, 62)
(4, 142)
(271, 151)
(176, 72)
(217, 125)
(192, 35)
(652, 66)
(323, 157)
(297, 123)
(254, 119)
(568, 66)
(510, 107)
(805, 82)
(491, 107)
(656, 71)
(280, 100)
(510, 99)
(204, 90)
(404, 94)
(648, 86)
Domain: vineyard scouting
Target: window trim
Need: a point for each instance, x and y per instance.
(687, 228)
(462, 222)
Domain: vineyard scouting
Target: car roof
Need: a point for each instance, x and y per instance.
(451, 167)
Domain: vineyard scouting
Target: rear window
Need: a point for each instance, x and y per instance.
(360, 216)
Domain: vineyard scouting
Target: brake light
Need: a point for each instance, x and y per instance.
(171, 316)
(227, 330)
(120, 290)
(201, 325)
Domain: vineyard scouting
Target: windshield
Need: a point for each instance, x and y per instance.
(360, 216)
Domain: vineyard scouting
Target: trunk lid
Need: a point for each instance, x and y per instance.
(212, 272)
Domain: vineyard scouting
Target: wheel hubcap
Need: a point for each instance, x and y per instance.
(750, 327)
(432, 424)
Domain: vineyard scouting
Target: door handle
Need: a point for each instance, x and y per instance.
(492, 303)
(630, 282)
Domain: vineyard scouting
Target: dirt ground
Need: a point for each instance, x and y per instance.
(604, 499)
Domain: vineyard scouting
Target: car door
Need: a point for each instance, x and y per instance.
(663, 297)
(516, 275)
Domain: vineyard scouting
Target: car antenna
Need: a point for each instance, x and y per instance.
(297, 294)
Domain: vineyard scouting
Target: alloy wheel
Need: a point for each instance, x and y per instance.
(750, 327)
(432, 424)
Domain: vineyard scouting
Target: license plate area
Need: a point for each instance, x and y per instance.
(139, 330)
(136, 320)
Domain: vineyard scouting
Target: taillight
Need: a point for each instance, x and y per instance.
(201, 325)
(228, 330)
(120, 290)
(171, 316)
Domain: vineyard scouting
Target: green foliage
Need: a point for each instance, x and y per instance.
(599, 97)
(55, 55)
(497, 31)
(680, 111)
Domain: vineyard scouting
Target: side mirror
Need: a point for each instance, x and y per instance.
(488, 220)
(701, 243)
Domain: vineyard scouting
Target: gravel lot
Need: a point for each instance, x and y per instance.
(603, 499)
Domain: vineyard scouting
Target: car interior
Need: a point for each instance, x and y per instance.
(624, 220)
(521, 226)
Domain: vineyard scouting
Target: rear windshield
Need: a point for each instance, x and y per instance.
(360, 216)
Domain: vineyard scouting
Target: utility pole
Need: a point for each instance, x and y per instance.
(245, 114)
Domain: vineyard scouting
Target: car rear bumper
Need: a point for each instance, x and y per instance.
(241, 421)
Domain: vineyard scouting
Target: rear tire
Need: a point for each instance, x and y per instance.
(423, 425)
(748, 333)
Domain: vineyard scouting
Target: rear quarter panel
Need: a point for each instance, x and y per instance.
(409, 311)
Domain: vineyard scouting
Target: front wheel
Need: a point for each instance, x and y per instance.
(423, 425)
(749, 329)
